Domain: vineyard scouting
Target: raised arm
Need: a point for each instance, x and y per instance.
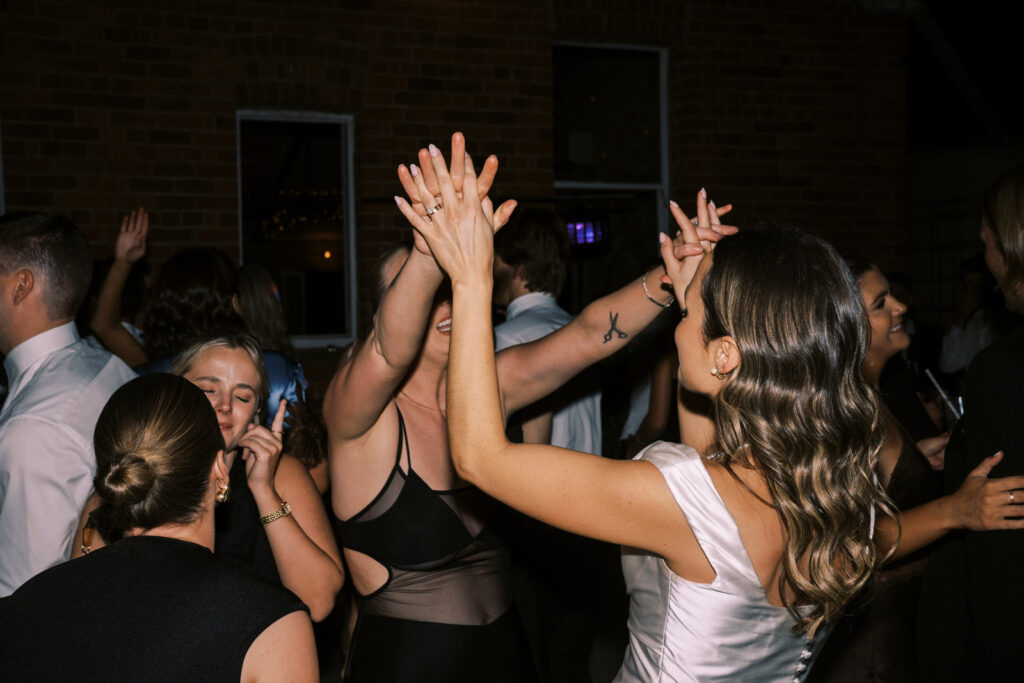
(618, 501)
(530, 371)
(129, 247)
(364, 385)
(304, 549)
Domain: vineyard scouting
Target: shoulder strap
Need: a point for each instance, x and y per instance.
(705, 512)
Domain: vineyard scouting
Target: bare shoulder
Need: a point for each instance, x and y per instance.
(285, 651)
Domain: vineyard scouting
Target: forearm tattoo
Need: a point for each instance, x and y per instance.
(614, 319)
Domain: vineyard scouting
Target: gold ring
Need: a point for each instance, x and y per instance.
(433, 210)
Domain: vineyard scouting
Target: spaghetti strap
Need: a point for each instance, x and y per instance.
(403, 440)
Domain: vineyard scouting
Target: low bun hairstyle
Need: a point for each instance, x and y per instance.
(799, 409)
(156, 441)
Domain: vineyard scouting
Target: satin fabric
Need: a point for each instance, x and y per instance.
(725, 630)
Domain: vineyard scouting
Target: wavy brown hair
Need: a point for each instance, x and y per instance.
(799, 409)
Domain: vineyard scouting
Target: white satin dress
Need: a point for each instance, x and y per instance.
(725, 630)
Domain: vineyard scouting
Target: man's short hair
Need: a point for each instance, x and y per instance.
(55, 250)
(536, 241)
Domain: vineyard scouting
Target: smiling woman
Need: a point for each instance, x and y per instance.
(270, 517)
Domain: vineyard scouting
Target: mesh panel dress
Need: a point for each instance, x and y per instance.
(444, 613)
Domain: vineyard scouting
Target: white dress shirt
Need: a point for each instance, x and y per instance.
(576, 423)
(58, 386)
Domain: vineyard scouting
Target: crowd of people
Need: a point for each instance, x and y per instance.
(171, 507)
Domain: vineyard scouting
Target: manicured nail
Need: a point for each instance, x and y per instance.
(434, 151)
(711, 205)
(398, 200)
(467, 155)
(703, 193)
(673, 204)
(661, 236)
(414, 170)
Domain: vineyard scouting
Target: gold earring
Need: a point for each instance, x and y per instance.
(223, 492)
(718, 374)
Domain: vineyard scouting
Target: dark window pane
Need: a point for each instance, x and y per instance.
(607, 115)
(293, 217)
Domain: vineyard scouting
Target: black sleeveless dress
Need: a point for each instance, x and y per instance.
(876, 640)
(146, 608)
(445, 612)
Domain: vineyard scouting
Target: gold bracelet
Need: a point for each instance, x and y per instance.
(277, 514)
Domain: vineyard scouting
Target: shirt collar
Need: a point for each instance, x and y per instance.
(25, 354)
(526, 302)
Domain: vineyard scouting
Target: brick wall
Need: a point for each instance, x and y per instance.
(794, 113)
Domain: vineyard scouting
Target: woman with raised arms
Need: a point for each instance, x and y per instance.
(736, 561)
(431, 573)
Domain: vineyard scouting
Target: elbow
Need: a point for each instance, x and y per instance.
(462, 460)
(321, 604)
(320, 609)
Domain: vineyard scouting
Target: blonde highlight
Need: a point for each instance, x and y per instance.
(799, 409)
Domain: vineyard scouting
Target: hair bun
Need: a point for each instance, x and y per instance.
(127, 482)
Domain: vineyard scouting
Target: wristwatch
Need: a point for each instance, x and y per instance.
(277, 514)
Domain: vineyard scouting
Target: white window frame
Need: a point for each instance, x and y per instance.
(660, 189)
(347, 122)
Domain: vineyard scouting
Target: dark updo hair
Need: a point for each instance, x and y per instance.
(155, 442)
(191, 299)
(798, 407)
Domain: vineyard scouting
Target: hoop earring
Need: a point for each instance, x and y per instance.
(223, 492)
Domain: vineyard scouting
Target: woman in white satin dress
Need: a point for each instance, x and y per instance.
(742, 556)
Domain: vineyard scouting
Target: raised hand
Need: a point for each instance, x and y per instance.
(458, 150)
(261, 450)
(130, 245)
(983, 504)
(458, 230)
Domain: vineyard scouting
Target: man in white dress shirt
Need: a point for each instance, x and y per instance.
(551, 569)
(57, 385)
(530, 261)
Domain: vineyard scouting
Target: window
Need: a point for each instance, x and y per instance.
(611, 161)
(296, 215)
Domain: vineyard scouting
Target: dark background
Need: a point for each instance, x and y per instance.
(876, 123)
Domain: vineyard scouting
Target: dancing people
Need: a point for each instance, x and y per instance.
(156, 604)
(432, 575)
(775, 534)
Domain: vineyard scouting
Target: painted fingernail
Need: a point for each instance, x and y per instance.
(467, 155)
(711, 204)
(414, 170)
(673, 204)
(661, 237)
(398, 200)
(703, 193)
(434, 151)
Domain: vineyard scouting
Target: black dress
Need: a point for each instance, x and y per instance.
(876, 640)
(146, 608)
(240, 538)
(445, 613)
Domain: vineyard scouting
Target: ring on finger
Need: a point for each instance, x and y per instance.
(1011, 497)
(434, 209)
